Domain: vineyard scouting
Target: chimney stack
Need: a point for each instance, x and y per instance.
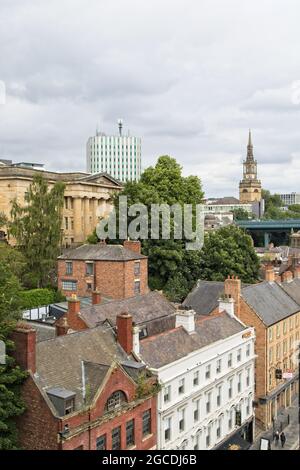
(270, 274)
(24, 338)
(133, 245)
(62, 327)
(232, 288)
(287, 276)
(96, 297)
(227, 304)
(186, 319)
(73, 306)
(124, 332)
(297, 272)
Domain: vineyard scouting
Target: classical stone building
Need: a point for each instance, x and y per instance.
(87, 197)
(250, 186)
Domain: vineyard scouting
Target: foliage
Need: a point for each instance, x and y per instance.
(3, 220)
(11, 375)
(242, 214)
(164, 184)
(294, 208)
(37, 229)
(92, 239)
(273, 208)
(14, 258)
(229, 251)
(146, 386)
(36, 298)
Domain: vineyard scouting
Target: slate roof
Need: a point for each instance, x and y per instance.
(270, 302)
(44, 331)
(292, 289)
(175, 344)
(226, 200)
(151, 309)
(101, 252)
(59, 361)
(203, 299)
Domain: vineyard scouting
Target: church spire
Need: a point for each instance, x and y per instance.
(250, 147)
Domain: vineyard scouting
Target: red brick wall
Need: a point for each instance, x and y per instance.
(112, 278)
(37, 426)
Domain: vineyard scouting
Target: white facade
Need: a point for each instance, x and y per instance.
(289, 199)
(119, 156)
(201, 393)
(221, 208)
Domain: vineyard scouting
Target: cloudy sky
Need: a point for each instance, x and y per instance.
(188, 76)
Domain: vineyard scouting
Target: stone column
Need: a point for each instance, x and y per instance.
(95, 212)
(86, 217)
(78, 235)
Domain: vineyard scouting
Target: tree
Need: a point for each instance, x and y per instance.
(14, 258)
(92, 239)
(229, 251)
(37, 229)
(242, 214)
(164, 184)
(11, 375)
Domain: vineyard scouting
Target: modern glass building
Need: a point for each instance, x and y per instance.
(117, 155)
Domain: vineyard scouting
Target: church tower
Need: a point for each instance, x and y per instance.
(250, 186)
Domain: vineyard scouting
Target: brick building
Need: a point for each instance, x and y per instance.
(117, 271)
(84, 391)
(270, 308)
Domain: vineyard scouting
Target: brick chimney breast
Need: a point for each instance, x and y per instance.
(125, 331)
(232, 288)
(287, 276)
(24, 338)
(133, 245)
(270, 274)
(96, 297)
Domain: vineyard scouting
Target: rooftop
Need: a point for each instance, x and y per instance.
(101, 252)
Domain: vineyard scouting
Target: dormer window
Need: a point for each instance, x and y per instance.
(115, 400)
(62, 399)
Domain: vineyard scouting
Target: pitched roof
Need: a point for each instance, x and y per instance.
(175, 344)
(101, 252)
(203, 299)
(270, 302)
(292, 289)
(226, 200)
(59, 361)
(152, 309)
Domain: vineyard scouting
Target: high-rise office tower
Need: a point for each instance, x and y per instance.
(118, 155)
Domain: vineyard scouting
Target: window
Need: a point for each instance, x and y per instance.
(219, 366)
(278, 350)
(197, 441)
(248, 350)
(101, 442)
(137, 287)
(230, 419)
(270, 355)
(285, 346)
(219, 395)
(277, 331)
(219, 427)
(270, 334)
(69, 285)
(66, 223)
(208, 402)
(230, 360)
(181, 420)
(66, 203)
(291, 323)
(167, 393)
(207, 372)
(137, 268)
(167, 428)
(115, 400)
(89, 286)
(230, 383)
(72, 224)
(116, 438)
(196, 410)
(130, 433)
(248, 406)
(208, 435)
(248, 378)
(284, 327)
(69, 267)
(239, 385)
(297, 320)
(146, 422)
(239, 355)
(69, 406)
(181, 386)
(89, 269)
(196, 378)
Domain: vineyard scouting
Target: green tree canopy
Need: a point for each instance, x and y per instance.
(242, 214)
(14, 258)
(165, 184)
(37, 229)
(228, 251)
(11, 375)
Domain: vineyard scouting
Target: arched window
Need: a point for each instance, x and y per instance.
(256, 190)
(245, 190)
(115, 400)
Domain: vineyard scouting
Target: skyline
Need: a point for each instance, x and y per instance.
(189, 79)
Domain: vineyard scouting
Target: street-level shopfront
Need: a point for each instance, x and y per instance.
(240, 439)
(279, 400)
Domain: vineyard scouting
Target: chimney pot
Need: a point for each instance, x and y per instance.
(133, 245)
(124, 331)
(96, 297)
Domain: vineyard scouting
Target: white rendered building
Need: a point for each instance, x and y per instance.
(117, 155)
(206, 368)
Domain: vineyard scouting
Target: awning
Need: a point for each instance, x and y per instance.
(236, 442)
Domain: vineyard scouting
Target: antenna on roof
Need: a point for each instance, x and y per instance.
(120, 124)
